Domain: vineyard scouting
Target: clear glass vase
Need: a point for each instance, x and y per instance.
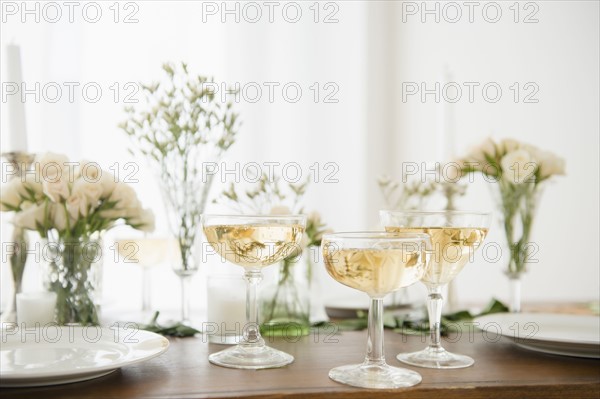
(73, 270)
(285, 305)
(184, 204)
(17, 260)
(514, 302)
(517, 204)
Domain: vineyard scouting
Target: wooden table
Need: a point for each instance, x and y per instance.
(501, 370)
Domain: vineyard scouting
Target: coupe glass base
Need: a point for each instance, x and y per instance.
(375, 376)
(254, 358)
(436, 358)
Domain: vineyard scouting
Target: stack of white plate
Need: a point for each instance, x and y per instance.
(56, 355)
(559, 334)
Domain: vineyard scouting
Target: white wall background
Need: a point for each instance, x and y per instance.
(369, 53)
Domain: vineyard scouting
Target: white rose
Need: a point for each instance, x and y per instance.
(124, 196)
(11, 195)
(89, 171)
(26, 205)
(487, 147)
(126, 203)
(550, 164)
(517, 166)
(143, 221)
(280, 210)
(34, 183)
(91, 191)
(477, 157)
(108, 183)
(77, 205)
(51, 166)
(31, 217)
(509, 145)
(56, 190)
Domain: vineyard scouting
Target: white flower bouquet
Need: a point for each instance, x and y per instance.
(518, 170)
(71, 204)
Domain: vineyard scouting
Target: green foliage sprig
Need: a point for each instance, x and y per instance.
(182, 129)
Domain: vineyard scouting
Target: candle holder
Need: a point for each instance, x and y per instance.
(21, 161)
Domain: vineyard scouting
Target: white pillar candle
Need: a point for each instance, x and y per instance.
(226, 308)
(35, 307)
(17, 131)
(446, 137)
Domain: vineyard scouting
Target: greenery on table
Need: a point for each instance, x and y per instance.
(179, 329)
(410, 326)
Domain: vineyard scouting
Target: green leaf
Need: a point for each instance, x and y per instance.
(494, 306)
(458, 316)
(352, 324)
(175, 330)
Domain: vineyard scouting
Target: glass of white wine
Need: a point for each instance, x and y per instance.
(253, 242)
(147, 252)
(376, 263)
(455, 235)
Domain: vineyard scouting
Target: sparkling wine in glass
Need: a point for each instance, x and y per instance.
(376, 263)
(253, 242)
(455, 236)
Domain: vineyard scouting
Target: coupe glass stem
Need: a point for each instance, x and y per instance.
(375, 334)
(185, 298)
(434, 307)
(251, 331)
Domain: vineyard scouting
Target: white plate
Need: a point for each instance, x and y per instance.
(61, 354)
(560, 334)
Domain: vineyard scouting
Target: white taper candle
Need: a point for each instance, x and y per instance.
(17, 130)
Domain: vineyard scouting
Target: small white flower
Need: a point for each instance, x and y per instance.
(517, 166)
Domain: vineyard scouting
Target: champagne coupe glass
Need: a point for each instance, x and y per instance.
(253, 242)
(376, 263)
(455, 236)
(147, 252)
